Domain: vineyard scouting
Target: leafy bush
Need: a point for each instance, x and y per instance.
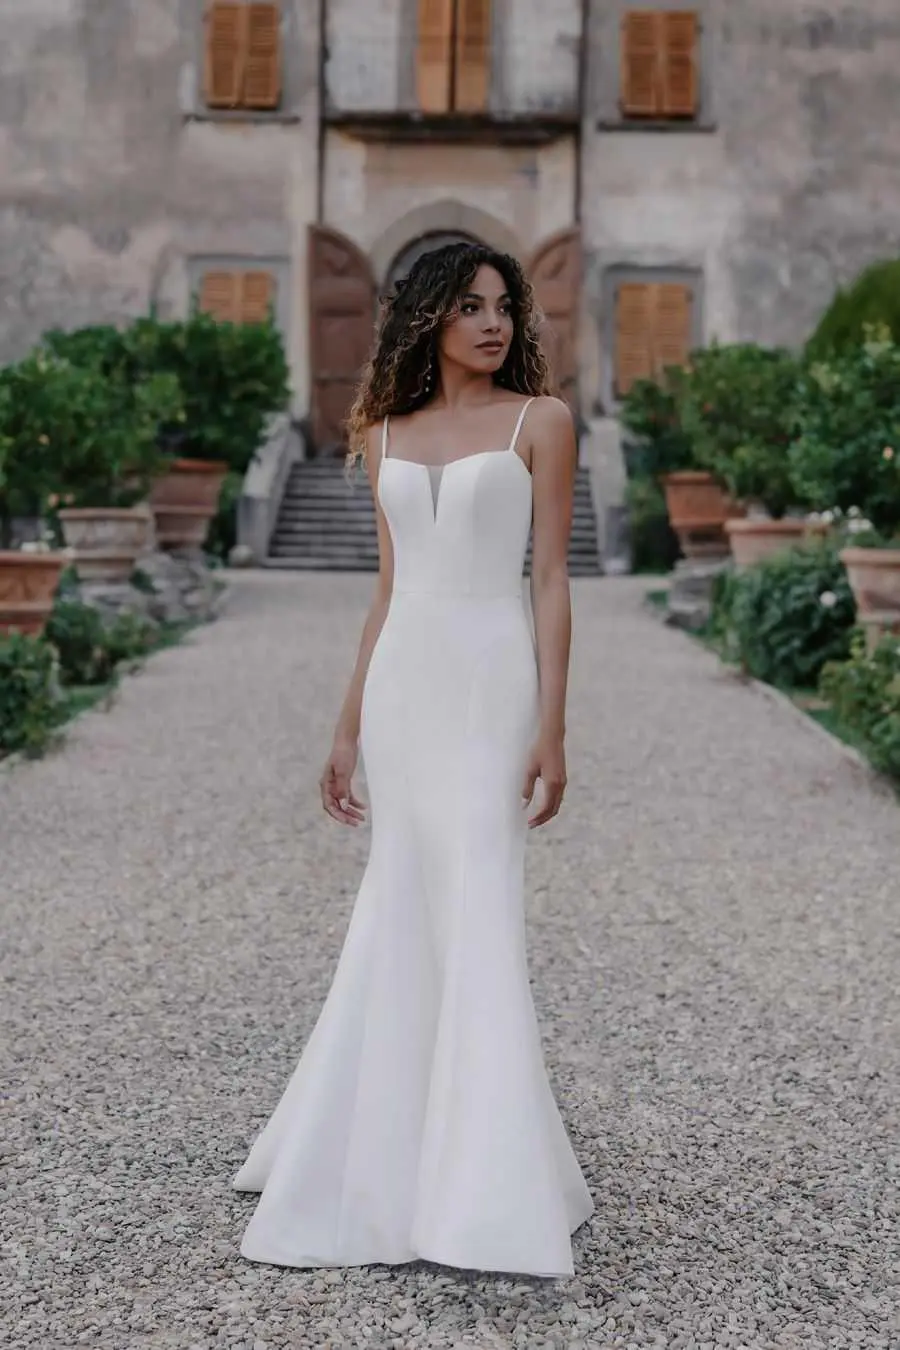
(847, 452)
(230, 377)
(30, 704)
(656, 443)
(90, 647)
(784, 618)
(69, 431)
(864, 693)
(873, 298)
(222, 534)
(737, 409)
(654, 544)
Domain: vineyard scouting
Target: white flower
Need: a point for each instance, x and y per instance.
(814, 517)
(828, 599)
(828, 517)
(854, 512)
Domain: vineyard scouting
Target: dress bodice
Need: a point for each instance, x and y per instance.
(460, 528)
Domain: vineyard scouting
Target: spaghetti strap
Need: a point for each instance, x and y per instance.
(518, 426)
(384, 437)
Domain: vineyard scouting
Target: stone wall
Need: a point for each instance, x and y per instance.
(117, 186)
(787, 186)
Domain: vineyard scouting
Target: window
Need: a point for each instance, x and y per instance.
(237, 297)
(243, 55)
(453, 55)
(659, 64)
(653, 329)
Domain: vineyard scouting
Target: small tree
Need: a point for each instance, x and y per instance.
(738, 409)
(873, 298)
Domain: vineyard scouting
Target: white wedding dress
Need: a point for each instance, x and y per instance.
(419, 1122)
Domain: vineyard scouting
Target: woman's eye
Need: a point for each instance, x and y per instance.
(469, 307)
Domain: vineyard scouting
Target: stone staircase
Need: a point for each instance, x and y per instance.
(327, 524)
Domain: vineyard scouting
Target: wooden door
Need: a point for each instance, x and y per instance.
(555, 272)
(342, 324)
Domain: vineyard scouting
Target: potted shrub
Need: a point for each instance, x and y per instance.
(739, 410)
(660, 450)
(232, 376)
(847, 459)
(32, 396)
(108, 467)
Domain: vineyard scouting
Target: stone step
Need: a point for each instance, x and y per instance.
(326, 521)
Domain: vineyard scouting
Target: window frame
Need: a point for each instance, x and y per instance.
(607, 60)
(198, 265)
(493, 65)
(193, 82)
(627, 274)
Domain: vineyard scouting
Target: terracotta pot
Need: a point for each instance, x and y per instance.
(753, 540)
(28, 583)
(184, 501)
(874, 575)
(698, 509)
(106, 541)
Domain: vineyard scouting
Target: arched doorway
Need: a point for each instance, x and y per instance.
(417, 248)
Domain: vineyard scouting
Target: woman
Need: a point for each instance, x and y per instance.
(419, 1122)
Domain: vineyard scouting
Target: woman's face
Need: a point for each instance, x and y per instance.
(477, 336)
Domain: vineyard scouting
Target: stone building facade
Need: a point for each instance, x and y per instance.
(668, 175)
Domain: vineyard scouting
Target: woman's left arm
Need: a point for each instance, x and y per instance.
(554, 458)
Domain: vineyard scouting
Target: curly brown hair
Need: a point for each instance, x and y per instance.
(394, 379)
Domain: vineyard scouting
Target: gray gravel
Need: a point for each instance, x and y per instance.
(715, 939)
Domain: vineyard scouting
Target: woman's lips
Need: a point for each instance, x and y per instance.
(490, 346)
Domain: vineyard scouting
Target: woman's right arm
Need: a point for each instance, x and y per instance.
(338, 798)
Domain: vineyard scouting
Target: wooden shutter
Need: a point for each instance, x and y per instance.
(641, 46)
(659, 63)
(342, 325)
(434, 52)
(679, 65)
(473, 55)
(225, 48)
(634, 335)
(653, 330)
(220, 296)
(671, 326)
(555, 273)
(262, 65)
(257, 294)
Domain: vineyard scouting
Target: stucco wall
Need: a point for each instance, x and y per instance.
(791, 189)
(372, 187)
(112, 178)
(371, 54)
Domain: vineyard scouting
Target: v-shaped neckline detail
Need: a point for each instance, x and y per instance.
(436, 494)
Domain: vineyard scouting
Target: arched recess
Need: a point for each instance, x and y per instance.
(555, 269)
(341, 321)
(444, 217)
(426, 243)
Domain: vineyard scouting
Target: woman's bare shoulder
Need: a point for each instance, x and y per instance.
(550, 415)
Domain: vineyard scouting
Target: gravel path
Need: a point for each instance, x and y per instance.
(715, 937)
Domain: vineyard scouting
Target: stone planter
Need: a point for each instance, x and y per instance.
(184, 501)
(752, 540)
(106, 541)
(698, 509)
(874, 575)
(28, 583)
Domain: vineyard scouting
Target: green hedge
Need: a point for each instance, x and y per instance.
(864, 694)
(872, 299)
(31, 704)
(785, 618)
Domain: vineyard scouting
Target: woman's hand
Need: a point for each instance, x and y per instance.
(338, 797)
(547, 762)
